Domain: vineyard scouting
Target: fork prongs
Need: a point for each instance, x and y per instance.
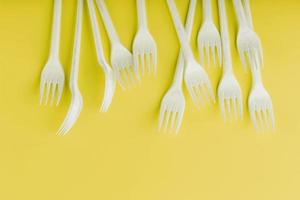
(210, 51)
(263, 118)
(200, 93)
(145, 60)
(53, 87)
(125, 76)
(170, 119)
(231, 107)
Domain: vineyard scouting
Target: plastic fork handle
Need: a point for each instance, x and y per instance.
(142, 16)
(111, 31)
(178, 77)
(183, 38)
(207, 10)
(248, 14)
(240, 13)
(256, 76)
(96, 34)
(76, 48)
(227, 62)
(55, 37)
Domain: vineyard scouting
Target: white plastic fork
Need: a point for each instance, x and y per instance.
(144, 46)
(196, 78)
(229, 91)
(209, 39)
(173, 103)
(121, 58)
(248, 42)
(76, 101)
(53, 77)
(110, 79)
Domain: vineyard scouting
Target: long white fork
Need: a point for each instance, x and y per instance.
(110, 79)
(229, 91)
(76, 101)
(173, 103)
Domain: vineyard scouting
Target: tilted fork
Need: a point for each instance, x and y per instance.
(76, 101)
(248, 42)
(144, 46)
(209, 40)
(173, 103)
(53, 77)
(259, 101)
(110, 79)
(229, 91)
(196, 79)
(121, 57)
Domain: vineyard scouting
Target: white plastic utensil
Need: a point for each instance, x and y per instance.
(121, 57)
(53, 77)
(173, 103)
(248, 43)
(229, 91)
(196, 79)
(110, 79)
(209, 40)
(76, 101)
(247, 9)
(144, 46)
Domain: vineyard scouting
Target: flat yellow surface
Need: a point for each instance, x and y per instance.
(120, 155)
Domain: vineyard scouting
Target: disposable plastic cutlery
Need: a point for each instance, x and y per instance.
(209, 40)
(53, 77)
(76, 101)
(247, 9)
(248, 43)
(121, 57)
(173, 103)
(196, 79)
(144, 46)
(260, 103)
(110, 80)
(229, 91)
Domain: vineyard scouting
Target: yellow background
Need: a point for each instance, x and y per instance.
(120, 155)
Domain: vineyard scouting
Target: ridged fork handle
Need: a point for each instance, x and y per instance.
(240, 13)
(112, 34)
(207, 10)
(248, 14)
(142, 16)
(76, 49)
(97, 35)
(227, 60)
(178, 77)
(55, 37)
(183, 38)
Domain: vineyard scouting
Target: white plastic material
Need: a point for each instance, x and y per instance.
(229, 91)
(144, 46)
(121, 58)
(248, 42)
(173, 103)
(53, 77)
(196, 79)
(209, 40)
(110, 79)
(76, 100)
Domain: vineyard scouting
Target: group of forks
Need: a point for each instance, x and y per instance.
(215, 47)
(126, 66)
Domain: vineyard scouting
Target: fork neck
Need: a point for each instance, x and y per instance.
(55, 37)
(256, 76)
(207, 10)
(240, 13)
(142, 16)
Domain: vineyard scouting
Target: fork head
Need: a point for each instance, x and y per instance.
(261, 108)
(109, 91)
(198, 83)
(122, 63)
(230, 97)
(249, 45)
(52, 80)
(144, 52)
(209, 44)
(73, 113)
(172, 107)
